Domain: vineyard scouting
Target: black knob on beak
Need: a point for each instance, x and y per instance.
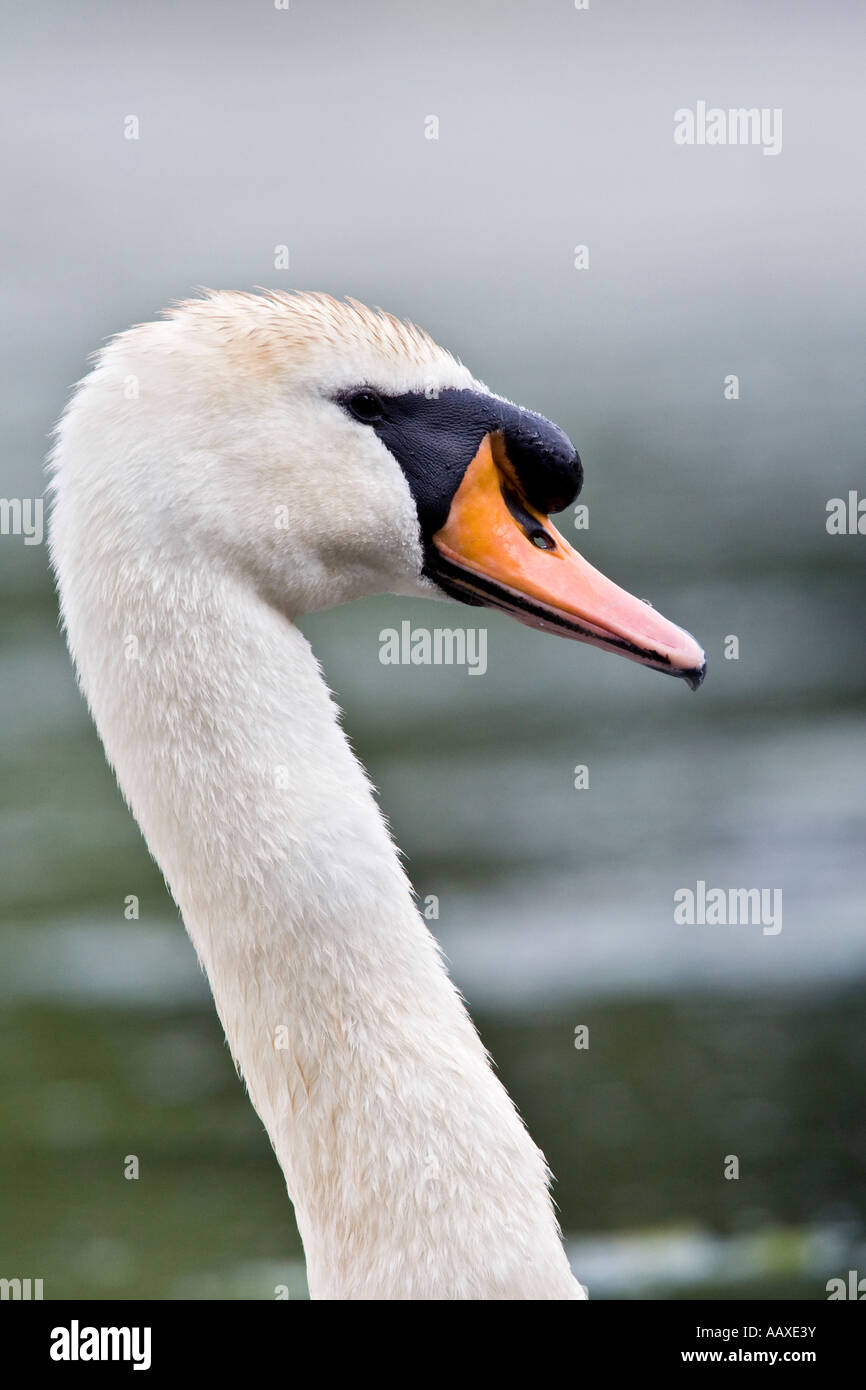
(545, 460)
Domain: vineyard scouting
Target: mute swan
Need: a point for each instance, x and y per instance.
(245, 460)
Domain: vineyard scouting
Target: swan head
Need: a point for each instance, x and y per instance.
(327, 451)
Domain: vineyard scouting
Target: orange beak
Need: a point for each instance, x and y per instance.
(495, 549)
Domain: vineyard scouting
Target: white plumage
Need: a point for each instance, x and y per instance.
(176, 465)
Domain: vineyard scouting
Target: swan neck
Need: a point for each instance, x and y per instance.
(410, 1171)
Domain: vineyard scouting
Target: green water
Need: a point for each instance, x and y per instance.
(703, 1042)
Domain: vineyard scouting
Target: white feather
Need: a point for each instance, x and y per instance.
(179, 456)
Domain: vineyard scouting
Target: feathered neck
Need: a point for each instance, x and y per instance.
(411, 1173)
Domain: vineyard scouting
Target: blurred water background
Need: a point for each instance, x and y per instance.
(306, 128)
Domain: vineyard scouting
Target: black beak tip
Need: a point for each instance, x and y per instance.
(695, 679)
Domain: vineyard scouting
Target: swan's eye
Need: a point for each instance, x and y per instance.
(366, 407)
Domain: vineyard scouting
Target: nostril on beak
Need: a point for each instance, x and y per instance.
(542, 540)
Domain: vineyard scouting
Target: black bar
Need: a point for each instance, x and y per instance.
(199, 1337)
